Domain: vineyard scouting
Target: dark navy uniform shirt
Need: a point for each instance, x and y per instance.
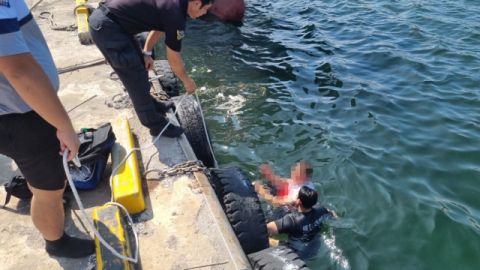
(303, 226)
(169, 16)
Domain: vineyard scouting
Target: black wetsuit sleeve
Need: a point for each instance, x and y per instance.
(322, 210)
(324, 213)
(285, 225)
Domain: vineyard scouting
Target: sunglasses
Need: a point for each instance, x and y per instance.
(309, 172)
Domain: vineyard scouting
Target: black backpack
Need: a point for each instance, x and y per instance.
(17, 187)
(95, 148)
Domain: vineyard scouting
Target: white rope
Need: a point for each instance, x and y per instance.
(80, 205)
(77, 198)
(206, 131)
(92, 227)
(205, 197)
(139, 149)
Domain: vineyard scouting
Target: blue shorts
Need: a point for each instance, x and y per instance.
(32, 143)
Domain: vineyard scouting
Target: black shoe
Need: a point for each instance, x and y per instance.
(162, 107)
(171, 131)
(70, 247)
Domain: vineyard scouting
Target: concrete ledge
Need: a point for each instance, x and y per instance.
(238, 255)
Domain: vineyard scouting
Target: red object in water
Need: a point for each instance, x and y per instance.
(233, 10)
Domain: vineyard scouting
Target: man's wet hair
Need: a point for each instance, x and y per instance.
(308, 197)
(205, 2)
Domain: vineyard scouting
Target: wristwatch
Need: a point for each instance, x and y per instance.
(147, 52)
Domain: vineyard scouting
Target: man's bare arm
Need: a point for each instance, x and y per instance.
(176, 63)
(32, 84)
(272, 228)
(265, 194)
(152, 39)
(266, 170)
(281, 201)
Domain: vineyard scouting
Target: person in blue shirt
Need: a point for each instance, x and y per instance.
(34, 126)
(303, 227)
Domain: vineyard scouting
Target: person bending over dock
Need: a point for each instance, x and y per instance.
(303, 227)
(34, 126)
(113, 27)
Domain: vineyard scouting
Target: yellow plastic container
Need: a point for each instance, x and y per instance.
(127, 183)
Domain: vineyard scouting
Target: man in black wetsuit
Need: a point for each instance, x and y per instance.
(303, 227)
(113, 27)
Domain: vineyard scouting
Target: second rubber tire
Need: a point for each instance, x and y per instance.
(242, 207)
(168, 81)
(279, 257)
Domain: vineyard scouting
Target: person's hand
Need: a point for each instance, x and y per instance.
(148, 62)
(257, 185)
(190, 86)
(265, 169)
(276, 204)
(68, 139)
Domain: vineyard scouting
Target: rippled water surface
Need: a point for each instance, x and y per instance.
(382, 97)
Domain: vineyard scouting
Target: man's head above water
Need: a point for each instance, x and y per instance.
(301, 172)
(307, 198)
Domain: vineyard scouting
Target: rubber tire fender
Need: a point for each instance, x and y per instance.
(168, 81)
(190, 118)
(279, 257)
(242, 206)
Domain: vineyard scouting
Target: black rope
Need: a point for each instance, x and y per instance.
(81, 103)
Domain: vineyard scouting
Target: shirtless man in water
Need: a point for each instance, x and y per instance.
(287, 189)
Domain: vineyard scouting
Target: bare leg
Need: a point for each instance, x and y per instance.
(47, 212)
(48, 216)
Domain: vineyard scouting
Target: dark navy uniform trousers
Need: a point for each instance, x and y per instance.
(124, 54)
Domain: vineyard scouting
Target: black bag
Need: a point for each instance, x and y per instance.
(17, 187)
(96, 146)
